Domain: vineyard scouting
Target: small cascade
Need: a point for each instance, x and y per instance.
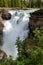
(17, 26)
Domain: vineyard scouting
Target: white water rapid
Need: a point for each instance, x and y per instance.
(17, 26)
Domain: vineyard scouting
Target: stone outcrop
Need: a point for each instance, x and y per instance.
(5, 15)
(3, 55)
(1, 27)
(31, 43)
(36, 20)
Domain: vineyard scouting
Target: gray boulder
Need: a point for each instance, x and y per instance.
(5, 15)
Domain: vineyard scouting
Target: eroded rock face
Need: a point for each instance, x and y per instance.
(6, 15)
(1, 31)
(36, 20)
(3, 55)
(1, 27)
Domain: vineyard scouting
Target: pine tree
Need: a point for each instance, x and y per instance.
(18, 3)
(1, 3)
(30, 3)
(38, 3)
(11, 3)
(6, 3)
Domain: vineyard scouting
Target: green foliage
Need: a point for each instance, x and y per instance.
(8, 61)
(38, 3)
(19, 44)
(21, 3)
(34, 57)
(39, 36)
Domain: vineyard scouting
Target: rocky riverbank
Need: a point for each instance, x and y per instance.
(3, 55)
(36, 21)
(4, 15)
(18, 8)
(1, 31)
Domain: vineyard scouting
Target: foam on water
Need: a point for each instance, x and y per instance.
(17, 26)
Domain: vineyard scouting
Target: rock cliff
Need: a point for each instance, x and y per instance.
(3, 55)
(1, 31)
(36, 20)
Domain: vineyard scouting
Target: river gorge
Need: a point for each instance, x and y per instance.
(17, 26)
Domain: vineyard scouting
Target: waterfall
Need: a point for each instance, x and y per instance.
(17, 26)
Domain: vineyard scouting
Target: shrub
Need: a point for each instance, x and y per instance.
(34, 58)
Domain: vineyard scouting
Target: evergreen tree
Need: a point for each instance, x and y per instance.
(30, 3)
(1, 3)
(11, 3)
(38, 3)
(6, 3)
(18, 3)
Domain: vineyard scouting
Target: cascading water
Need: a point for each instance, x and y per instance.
(16, 27)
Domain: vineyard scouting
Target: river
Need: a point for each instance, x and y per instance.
(17, 26)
